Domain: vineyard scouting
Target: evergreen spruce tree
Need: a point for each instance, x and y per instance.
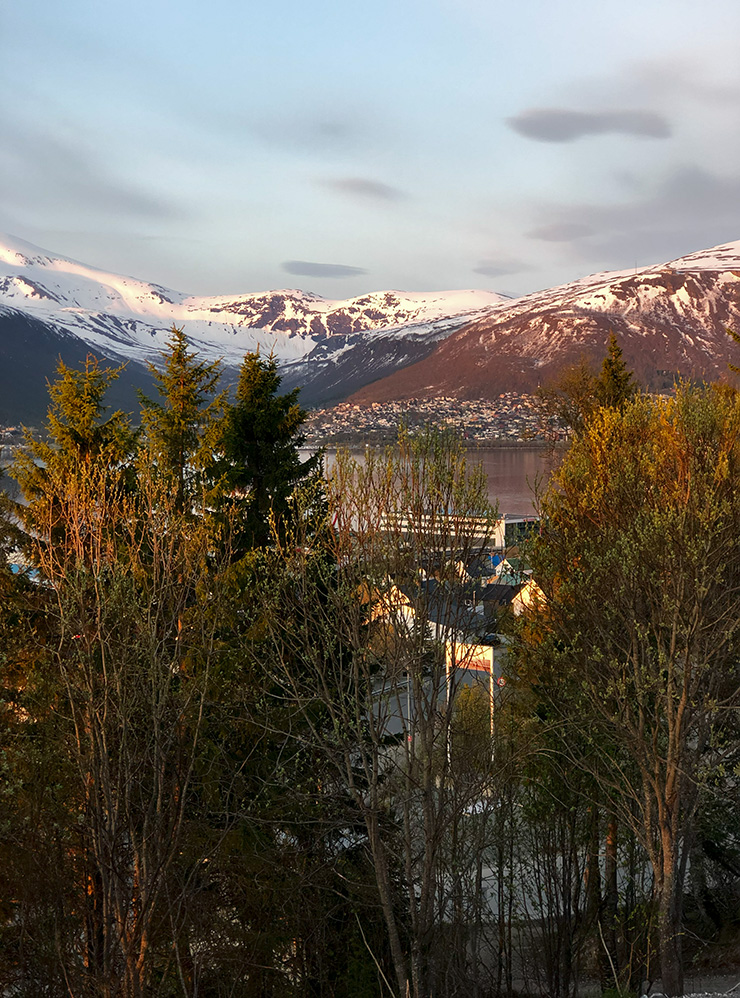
(261, 441)
(615, 384)
(572, 398)
(736, 337)
(181, 429)
(81, 466)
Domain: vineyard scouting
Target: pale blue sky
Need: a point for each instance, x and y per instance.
(240, 145)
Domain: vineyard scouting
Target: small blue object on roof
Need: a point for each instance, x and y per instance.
(31, 573)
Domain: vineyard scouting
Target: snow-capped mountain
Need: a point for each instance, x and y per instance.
(669, 319)
(121, 318)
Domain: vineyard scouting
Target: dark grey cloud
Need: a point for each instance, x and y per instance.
(305, 268)
(364, 189)
(554, 124)
(561, 232)
(500, 267)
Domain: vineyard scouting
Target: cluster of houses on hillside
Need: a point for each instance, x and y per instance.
(510, 418)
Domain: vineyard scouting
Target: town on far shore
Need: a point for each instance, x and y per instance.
(508, 420)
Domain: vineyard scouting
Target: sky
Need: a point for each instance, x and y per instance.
(234, 146)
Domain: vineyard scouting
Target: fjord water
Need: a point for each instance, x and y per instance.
(513, 474)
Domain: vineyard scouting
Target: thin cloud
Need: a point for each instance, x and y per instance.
(690, 209)
(322, 136)
(673, 80)
(56, 174)
(305, 268)
(500, 268)
(561, 232)
(364, 189)
(553, 124)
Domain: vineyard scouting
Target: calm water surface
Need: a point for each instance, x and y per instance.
(512, 473)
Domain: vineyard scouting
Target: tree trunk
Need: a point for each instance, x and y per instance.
(609, 907)
(383, 881)
(669, 926)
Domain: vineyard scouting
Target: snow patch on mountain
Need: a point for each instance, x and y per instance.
(669, 319)
(130, 319)
(719, 258)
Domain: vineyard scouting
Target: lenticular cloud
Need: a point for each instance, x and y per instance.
(553, 124)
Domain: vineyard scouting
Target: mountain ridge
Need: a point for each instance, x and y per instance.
(34, 280)
(670, 318)
(328, 347)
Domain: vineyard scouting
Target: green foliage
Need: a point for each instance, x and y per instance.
(636, 652)
(618, 993)
(261, 440)
(78, 433)
(76, 423)
(158, 804)
(616, 383)
(81, 466)
(570, 398)
(736, 339)
(233, 760)
(181, 430)
(579, 391)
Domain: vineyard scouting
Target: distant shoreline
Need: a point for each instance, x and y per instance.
(473, 445)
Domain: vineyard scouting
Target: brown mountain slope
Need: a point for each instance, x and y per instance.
(669, 320)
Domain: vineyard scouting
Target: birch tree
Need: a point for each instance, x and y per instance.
(636, 646)
(356, 625)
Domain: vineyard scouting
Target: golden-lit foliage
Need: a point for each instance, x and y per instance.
(635, 654)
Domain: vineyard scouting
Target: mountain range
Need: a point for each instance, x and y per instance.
(53, 306)
(669, 319)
